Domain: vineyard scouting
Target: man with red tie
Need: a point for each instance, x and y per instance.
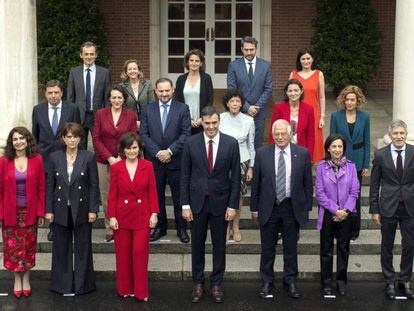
(210, 191)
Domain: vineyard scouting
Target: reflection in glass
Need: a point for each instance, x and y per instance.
(222, 29)
(197, 11)
(222, 47)
(175, 65)
(221, 64)
(197, 29)
(223, 11)
(243, 29)
(176, 47)
(175, 11)
(197, 44)
(176, 29)
(244, 11)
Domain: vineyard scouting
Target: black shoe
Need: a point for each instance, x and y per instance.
(217, 293)
(405, 287)
(292, 290)
(197, 294)
(157, 234)
(183, 236)
(390, 291)
(266, 291)
(50, 235)
(341, 288)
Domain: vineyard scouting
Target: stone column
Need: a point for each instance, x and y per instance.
(403, 54)
(18, 64)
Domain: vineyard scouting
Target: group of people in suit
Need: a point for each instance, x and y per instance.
(207, 159)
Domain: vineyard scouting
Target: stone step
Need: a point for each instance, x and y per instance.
(238, 267)
(368, 243)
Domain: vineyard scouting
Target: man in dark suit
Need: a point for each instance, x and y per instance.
(87, 87)
(281, 200)
(165, 127)
(253, 77)
(210, 192)
(393, 172)
(48, 118)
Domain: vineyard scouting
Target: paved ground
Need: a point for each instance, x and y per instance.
(176, 296)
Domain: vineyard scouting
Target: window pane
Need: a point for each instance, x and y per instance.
(197, 44)
(175, 11)
(197, 11)
(176, 29)
(175, 65)
(238, 48)
(223, 29)
(176, 47)
(244, 11)
(223, 11)
(222, 47)
(197, 29)
(243, 29)
(221, 64)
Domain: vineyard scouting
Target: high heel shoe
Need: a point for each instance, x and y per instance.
(17, 293)
(27, 292)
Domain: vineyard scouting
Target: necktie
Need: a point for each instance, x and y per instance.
(281, 178)
(88, 91)
(210, 156)
(250, 73)
(55, 121)
(399, 164)
(164, 116)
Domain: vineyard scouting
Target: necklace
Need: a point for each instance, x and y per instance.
(71, 157)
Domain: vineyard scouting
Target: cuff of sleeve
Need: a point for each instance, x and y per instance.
(231, 209)
(169, 150)
(186, 206)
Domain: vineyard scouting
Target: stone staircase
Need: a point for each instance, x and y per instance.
(171, 260)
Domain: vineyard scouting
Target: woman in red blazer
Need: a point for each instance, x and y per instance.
(22, 205)
(132, 209)
(299, 114)
(110, 124)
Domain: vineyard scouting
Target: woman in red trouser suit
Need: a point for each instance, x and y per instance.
(132, 209)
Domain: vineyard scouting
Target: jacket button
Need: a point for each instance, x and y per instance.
(82, 173)
(80, 200)
(126, 201)
(139, 200)
(57, 174)
(59, 187)
(58, 199)
(79, 187)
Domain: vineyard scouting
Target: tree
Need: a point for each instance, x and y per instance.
(62, 26)
(347, 41)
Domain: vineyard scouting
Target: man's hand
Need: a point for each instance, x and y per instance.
(376, 218)
(255, 216)
(187, 214)
(113, 160)
(164, 156)
(91, 217)
(49, 217)
(253, 110)
(230, 213)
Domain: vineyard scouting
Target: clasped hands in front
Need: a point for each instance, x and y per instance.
(340, 215)
(113, 222)
(164, 156)
(188, 214)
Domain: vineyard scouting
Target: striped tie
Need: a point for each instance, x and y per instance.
(281, 178)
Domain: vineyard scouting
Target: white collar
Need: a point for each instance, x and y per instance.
(92, 68)
(247, 61)
(393, 148)
(286, 150)
(215, 139)
(160, 103)
(59, 106)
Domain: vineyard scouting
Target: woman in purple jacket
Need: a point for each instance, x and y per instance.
(337, 189)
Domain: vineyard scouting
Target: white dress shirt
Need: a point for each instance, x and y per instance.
(93, 77)
(51, 111)
(288, 164)
(394, 154)
(248, 66)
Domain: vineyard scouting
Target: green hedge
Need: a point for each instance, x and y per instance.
(347, 41)
(62, 26)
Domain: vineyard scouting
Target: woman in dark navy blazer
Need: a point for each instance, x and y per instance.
(72, 202)
(133, 211)
(195, 88)
(354, 125)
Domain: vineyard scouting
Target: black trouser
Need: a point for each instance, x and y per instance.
(356, 218)
(87, 125)
(388, 229)
(342, 232)
(218, 227)
(282, 220)
(65, 279)
(172, 177)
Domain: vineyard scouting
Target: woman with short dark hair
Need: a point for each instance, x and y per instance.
(132, 210)
(22, 205)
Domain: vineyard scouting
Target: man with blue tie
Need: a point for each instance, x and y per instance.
(252, 76)
(165, 127)
(48, 118)
(281, 200)
(87, 87)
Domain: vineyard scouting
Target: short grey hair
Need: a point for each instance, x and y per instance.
(396, 123)
(282, 122)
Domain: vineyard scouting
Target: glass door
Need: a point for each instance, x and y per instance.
(214, 27)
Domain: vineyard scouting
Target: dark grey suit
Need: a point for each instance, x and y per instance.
(393, 199)
(82, 191)
(42, 129)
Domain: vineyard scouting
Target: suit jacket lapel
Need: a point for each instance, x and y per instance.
(342, 115)
(130, 91)
(63, 116)
(409, 156)
(63, 166)
(390, 161)
(357, 127)
(172, 113)
(80, 159)
(272, 167)
(80, 77)
(293, 160)
(97, 74)
(202, 149)
(45, 113)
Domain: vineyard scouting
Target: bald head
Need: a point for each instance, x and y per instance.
(282, 133)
